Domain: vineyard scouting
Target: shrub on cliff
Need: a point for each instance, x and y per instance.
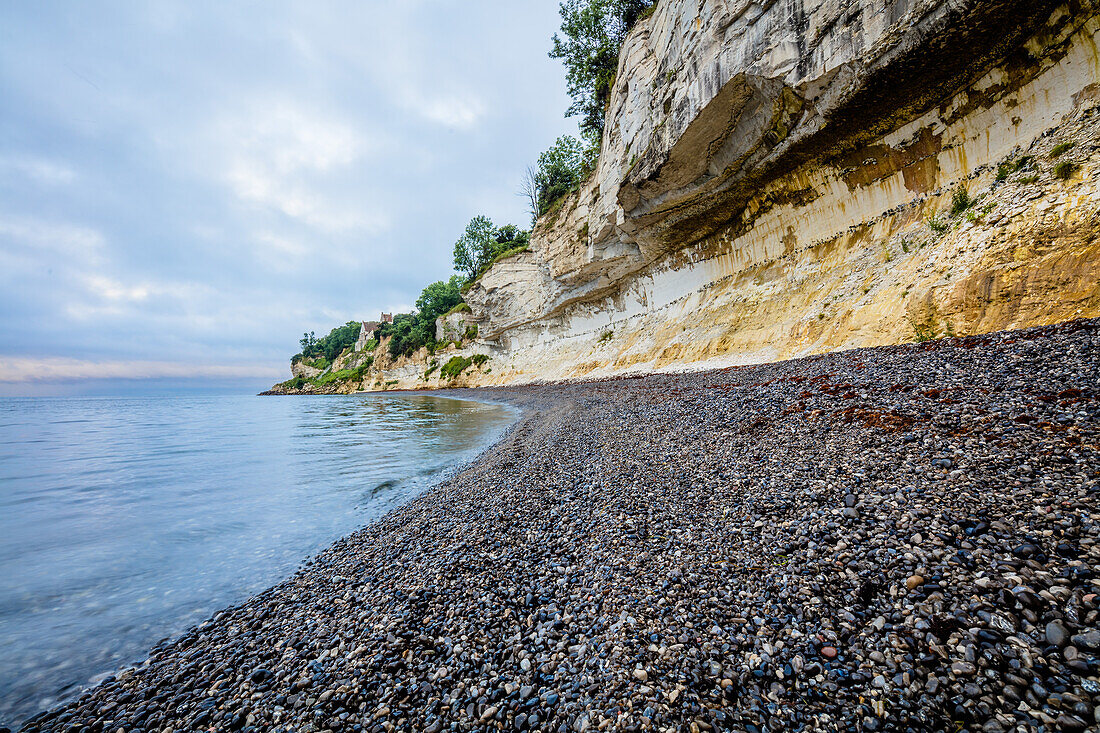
(411, 331)
(592, 33)
(439, 298)
(455, 366)
(408, 333)
(338, 340)
(481, 244)
(559, 170)
(294, 383)
(1065, 170)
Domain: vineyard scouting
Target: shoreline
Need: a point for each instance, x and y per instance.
(847, 539)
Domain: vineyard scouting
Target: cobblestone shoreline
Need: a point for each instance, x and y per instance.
(902, 538)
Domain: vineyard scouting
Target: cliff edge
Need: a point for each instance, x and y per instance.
(779, 179)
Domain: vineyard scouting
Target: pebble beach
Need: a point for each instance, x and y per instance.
(902, 538)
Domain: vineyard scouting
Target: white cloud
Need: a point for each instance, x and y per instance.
(113, 290)
(74, 242)
(460, 111)
(19, 369)
(98, 296)
(39, 170)
(278, 156)
(277, 246)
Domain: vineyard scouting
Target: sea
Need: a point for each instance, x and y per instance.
(126, 520)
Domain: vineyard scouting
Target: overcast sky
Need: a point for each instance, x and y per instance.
(186, 187)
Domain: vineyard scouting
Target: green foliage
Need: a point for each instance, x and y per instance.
(428, 372)
(960, 201)
(460, 308)
(560, 169)
(510, 241)
(1065, 170)
(344, 375)
(482, 244)
(592, 33)
(479, 359)
(338, 340)
(923, 333)
(474, 248)
(1028, 180)
(1006, 169)
(455, 366)
(938, 225)
(371, 344)
(295, 383)
(1060, 148)
(471, 332)
(439, 298)
(405, 336)
(308, 342)
(411, 331)
(508, 253)
(605, 337)
(321, 363)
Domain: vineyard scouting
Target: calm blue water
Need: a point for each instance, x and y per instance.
(125, 521)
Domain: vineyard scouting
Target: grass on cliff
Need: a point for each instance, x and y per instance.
(342, 376)
(455, 366)
(295, 383)
(1006, 169)
(319, 363)
(1057, 150)
(1065, 170)
(960, 201)
(938, 225)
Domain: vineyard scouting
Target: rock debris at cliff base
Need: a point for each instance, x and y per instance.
(900, 538)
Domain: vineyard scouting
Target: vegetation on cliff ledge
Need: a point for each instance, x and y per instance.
(592, 34)
(328, 347)
(483, 243)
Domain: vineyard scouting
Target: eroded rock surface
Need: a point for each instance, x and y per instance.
(768, 175)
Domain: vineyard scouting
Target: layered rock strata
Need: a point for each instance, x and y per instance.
(777, 179)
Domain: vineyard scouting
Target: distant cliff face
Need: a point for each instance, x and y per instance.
(778, 178)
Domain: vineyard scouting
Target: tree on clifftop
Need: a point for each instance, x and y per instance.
(593, 32)
(560, 169)
(475, 247)
(482, 242)
(438, 298)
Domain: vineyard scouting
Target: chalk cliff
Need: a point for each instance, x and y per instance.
(786, 178)
(778, 179)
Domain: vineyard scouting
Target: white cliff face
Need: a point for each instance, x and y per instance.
(766, 173)
(453, 326)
